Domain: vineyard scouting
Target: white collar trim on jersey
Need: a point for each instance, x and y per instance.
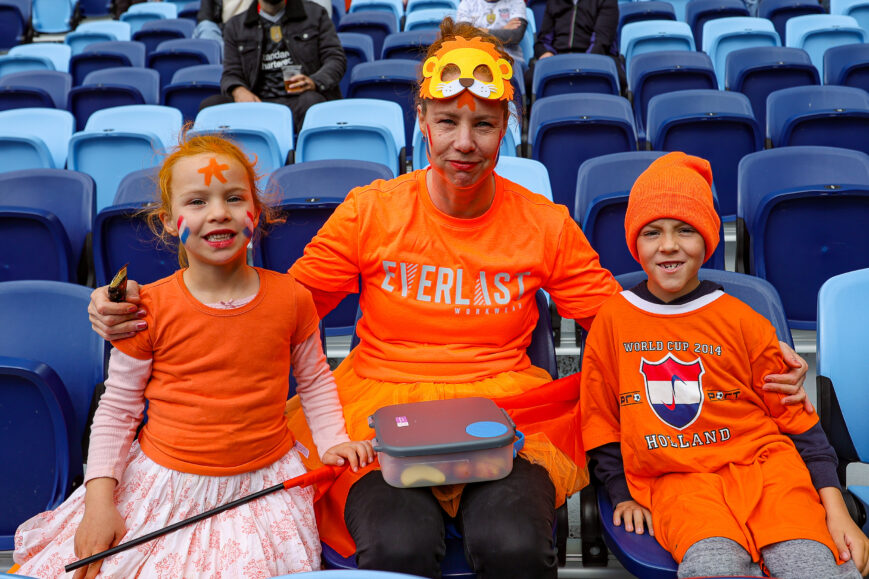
(667, 309)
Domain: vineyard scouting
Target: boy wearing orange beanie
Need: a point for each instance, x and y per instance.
(680, 430)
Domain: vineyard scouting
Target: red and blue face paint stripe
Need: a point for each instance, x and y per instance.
(183, 229)
(248, 225)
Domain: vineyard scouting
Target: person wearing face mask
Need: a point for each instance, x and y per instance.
(281, 51)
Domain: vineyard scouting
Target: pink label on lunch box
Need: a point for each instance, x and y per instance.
(401, 421)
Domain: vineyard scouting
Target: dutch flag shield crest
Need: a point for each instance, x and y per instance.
(674, 389)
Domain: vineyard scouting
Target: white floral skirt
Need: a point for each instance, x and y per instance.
(273, 535)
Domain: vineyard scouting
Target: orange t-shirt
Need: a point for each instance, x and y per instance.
(448, 299)
(680, 387)
(219, 378)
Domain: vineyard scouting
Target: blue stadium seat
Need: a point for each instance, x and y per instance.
(395, 7)
(113, 87)
(190, 86)
(96, 31)
(46, 386)
(92, 8)
(718, 126)
(843, 322)
(154, 32)
(34, 88)
(137, 14)
(391, 80)
(99, 55)
(757, 72)
(263, 130)
(699, 12)
(358, 48)
(724, 35)
(835, 116)
(575, 73)
(309, 193)
(815, 33)
(847, 65)
(780, 11)
(529, 173)
(52, 17)
(413, 5)
(34, 138)
(14, 22)
(648, 10)
(190, 10)
(657, 73)
(36, 56)
(427, 18)
(653, 35)
(338, 12)
(133, 137)
(361, 129)
(339, 574)
(411, 44)
(603, 185)
(858, 9)
(564, 131)
(377, 25)
(173, 55)
(803, 214)
(538, 7)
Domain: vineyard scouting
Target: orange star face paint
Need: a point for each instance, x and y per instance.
(213, 169)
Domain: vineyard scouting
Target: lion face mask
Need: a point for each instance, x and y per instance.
(471, 65)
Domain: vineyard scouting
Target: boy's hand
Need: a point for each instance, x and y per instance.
(115, 321)
(513, 24)
(790, 384)
(634, 516)
(850, 541)
(358, 453)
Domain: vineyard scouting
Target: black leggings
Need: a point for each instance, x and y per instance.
(506, 524)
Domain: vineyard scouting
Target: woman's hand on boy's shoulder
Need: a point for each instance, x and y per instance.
(357, 453)
(790, 384)
(636, 517)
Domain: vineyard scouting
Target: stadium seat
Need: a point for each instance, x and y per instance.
(529, 173)
(718, 126)
(34, 138)
(657, 73)
(190, 10)
(361, 129)
(780, 11)
(377, 25)
(426, 18)
(815, 33)
(391, 80)
(648, 10)
(358, 48)
(757, 72)
(699, 12)
(803, 213)
(724, 35)
(50, 243)
(34, 88)
(132, 137)
(413, 5)
(835, 116)
(137, 14)
(96, 31)
(36, 56)
(52, 17)
(46, 386)
(263, 130)
(538, 7)
(110, 54)
(93, 8)
(173, 55)
(408, 45)
(858, 9)
(843, 322)
(603, 185)
(190, 86)
(564, 131)
(575, 73)
(339, 10)
(653, 35)
(154, 32)
(14, 23)
(395, 7)
(113, 87)
(847, 65)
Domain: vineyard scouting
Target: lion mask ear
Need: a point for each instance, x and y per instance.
(429, 67)
(505, 69)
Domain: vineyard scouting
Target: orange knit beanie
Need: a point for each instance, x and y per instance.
(675, 186)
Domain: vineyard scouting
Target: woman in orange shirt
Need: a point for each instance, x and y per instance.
(447, 262)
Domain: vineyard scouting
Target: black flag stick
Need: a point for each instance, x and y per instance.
(318, 475)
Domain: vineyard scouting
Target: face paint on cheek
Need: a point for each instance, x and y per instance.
(249, 225)
(183, 229)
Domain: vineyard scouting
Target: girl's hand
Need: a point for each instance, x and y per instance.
(101, 528)
(358, 453)
(791, 384)
(115, 321)
(634, 515)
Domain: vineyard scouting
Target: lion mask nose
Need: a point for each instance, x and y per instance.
(466, 82)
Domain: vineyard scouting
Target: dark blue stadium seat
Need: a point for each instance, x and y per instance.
(190, 86)
(648, 10)
(14, 22)
(847, 65)
(173, 55)
(575, 73)
(377, 25)
(34, 88)
(780, 11)
(110, 54)
(699, 12)
(155, 32)
(411, 44)
(113, 87)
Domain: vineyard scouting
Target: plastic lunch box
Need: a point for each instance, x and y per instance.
(441, 442)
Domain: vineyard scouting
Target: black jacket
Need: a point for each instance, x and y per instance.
(312, 41)
(587, 26)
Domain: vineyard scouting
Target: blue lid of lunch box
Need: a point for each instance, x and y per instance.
(441, 426)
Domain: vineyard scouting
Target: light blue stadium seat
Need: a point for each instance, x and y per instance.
(52, 16)
(847, 65)
(190, 86)
(131, 137)
(815, 33)
(724, 35)
(36, 56)
(804, 212)
(427, 18)
(108, 54)
(34, 88)
(34, 138)
(647, 10)
(361, 129)
(137, 14)
(699, 12)
(780, 11)
(575, 73)
(529, 173)
(395, 7)
(96, 31)
(858, 9)
(358, 48)
(653, 35)
(113, 87)
(263, 130)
